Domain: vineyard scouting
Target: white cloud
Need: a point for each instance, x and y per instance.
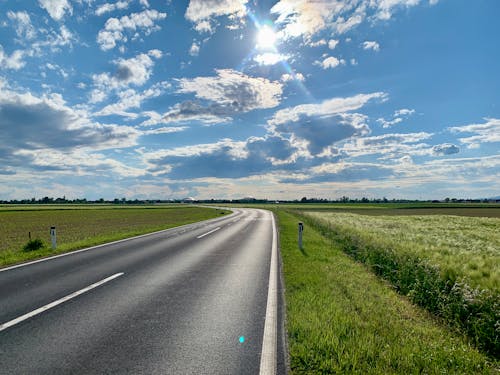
(325, 109)
(115, 29)
(371, 45)
(445, 149)
(342, 25)
(224, 159)
(392, 145)
(321, 42)
(487, 132)
(404, 112)
(319, 126)
(219, 97)
(76, 162)
(203, 27)
(13, 61)
(195, 49)
(134, 71)
(23, 26)
(398, 117)
(388, 123)
(329, 63)
(108, 7)
(385, 8)
(305, 18)
(54, 40)
(130, 98)
(59, 127)
(269, 58)
(156, 53)
(234, 89)
(165, 130)
(203, 12)
(332, 43)
(292, 77)
(56, 8)
(321, 132)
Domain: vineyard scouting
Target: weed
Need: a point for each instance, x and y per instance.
(33, 245)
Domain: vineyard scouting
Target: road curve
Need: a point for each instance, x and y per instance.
(189, 300)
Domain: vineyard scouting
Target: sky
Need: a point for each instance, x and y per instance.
(235, 98)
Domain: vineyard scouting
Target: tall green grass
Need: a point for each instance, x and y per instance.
(343, 319)
(429, 260)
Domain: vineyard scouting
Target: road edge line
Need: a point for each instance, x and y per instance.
(55, 303)
(268, 360)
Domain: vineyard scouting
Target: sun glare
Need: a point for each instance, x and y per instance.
(266, 38)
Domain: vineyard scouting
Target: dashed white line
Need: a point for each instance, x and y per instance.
(206, 234)
(55, 303)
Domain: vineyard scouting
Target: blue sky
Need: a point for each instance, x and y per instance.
(233, 98)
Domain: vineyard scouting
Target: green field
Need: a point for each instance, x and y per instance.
(399, 209)
(464, 248)
(86, 225)
(341, 318)
(447, 264)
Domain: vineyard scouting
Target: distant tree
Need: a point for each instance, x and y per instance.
(304, 199)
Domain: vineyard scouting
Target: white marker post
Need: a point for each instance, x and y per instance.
(301, 229)
(53, 237)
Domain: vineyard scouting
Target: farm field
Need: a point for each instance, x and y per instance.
(448, 264)
(493, 212)
(83, 226)
(464, 248)
(398, 209)
(342, 318)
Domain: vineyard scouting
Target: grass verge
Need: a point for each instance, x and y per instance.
(342, 319)
(80, 228)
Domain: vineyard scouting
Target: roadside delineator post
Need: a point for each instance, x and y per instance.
(301, 229)
(53, 237)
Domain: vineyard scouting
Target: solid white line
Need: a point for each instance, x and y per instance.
(58, 302)
(108, 243)
(269, 342)
(206, 234)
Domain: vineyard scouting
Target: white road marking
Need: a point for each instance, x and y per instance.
(269, 342)
(58, 302)
(206, 234)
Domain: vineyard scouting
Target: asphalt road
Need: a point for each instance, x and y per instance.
(189, 300)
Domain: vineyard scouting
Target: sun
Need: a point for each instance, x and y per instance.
(266, 37)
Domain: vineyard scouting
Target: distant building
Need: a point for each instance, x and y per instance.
(189, 200)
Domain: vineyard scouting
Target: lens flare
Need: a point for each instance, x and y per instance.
(266, 37)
